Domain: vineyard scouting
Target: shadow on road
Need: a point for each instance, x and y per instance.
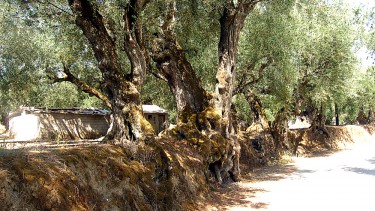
(271, 173)
(365, 171)
(361, 170)
(322, 153)
(372, 160)
(239, 194)
(233, 196)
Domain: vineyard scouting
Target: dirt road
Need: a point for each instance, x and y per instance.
(343, 180)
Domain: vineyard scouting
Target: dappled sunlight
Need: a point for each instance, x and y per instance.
(361, 170)
(270, 173)
(235, 196)
(243, 195)
(341, 180)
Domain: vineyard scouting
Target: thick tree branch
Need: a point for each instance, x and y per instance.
(231, 23)
(243, 85)
(123, 90)
(170, 18)
(174, 67)
(93, 26)
(83, 86)
(55, 6)
(133, 41)
(159, 75)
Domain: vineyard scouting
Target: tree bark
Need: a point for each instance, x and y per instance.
(362, 118)
(134, 43)
(83, 86)
(186, 87)
(174, 67)
(370, 116)
(279, 129)
(257, 109)
(123, 90)
(321, 118)
(318, 120)
(231, 23)
(337, 115)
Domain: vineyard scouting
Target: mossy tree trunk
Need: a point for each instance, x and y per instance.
(123, 90)
(337, 119)
(174, 68)
(231, 23)
(257, 109)
(279, 129)
(190, 96)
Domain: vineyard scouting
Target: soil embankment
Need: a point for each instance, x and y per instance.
(305, 141)
(160, 175)
(157, 176)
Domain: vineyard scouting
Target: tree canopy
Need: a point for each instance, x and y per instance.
(291, 55)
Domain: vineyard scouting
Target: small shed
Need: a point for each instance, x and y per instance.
(30, 123)
(157, 117)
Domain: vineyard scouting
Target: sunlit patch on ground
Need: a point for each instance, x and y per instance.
(344, 180)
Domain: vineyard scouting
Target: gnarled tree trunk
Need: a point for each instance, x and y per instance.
(257, 109)
(279, 129)
(123, 90)
(318, 123)
(337, 120)
(231, 24)
(177, 71)
(191, 97)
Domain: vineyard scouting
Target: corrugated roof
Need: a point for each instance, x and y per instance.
(154, 109)
(64, 110)
(147, 109)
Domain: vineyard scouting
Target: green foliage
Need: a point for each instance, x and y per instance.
(370, 26)
(32, 49)
(327, 61)
(270, 38)
(307, 48)
(363, 98)
(243, 109)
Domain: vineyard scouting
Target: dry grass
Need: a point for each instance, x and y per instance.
(159, 175)
(100, 177)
